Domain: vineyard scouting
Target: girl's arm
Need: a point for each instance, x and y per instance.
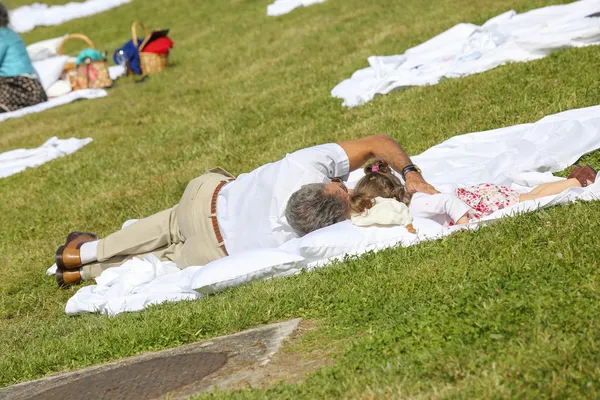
(427, 206)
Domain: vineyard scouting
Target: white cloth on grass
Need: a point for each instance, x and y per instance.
(467, 49)
(55, 102)
(15, 161)
(520, 156)
(280, 7)
(25, 18)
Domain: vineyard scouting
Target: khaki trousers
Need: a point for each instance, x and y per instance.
(183, 234)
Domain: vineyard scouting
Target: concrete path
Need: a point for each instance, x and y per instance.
(179, 373)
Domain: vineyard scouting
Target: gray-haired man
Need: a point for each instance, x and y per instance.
(218, 215)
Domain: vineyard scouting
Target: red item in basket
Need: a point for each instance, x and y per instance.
(159, 46)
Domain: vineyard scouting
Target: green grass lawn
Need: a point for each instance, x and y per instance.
(509, 311)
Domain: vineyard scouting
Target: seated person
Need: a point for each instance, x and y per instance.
(19, 84)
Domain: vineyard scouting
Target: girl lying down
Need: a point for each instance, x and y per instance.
(462, 206)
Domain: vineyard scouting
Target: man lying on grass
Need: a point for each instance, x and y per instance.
(219, 215)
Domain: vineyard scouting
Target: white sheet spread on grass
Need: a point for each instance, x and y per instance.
(25, 18)
(55, 102)
(280, 7)
(15, 161)
(520, 156)
(467, 49)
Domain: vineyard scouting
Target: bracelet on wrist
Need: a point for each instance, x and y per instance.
(409, 168)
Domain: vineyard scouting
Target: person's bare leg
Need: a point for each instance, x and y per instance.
(548, 189)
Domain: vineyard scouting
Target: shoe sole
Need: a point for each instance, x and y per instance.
(59, 279)
(58, 257)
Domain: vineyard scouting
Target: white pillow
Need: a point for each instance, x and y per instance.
(244, 267)
(346, 238)
(50, 70)
(45, 49)
(59, 88)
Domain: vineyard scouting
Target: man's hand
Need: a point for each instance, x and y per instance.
(416, 183)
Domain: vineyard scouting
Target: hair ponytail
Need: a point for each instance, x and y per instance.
(360, 202)
(379, 181)
(378, 166)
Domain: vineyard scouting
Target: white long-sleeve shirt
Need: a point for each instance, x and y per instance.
(443, 208)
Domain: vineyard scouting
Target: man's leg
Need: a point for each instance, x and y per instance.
(194, 215)
(183, 234)
(144, 236)
(94, 269)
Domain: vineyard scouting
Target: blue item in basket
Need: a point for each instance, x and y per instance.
(128, 54)
(92, 54)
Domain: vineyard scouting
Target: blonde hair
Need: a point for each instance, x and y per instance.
(379, 181)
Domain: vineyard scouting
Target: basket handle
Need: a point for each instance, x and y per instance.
(134, 33)
(75, 36)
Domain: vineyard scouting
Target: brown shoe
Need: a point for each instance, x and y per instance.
(586, 175)
(574, 171)
(74, 235)
(66, 278)
(67, 256)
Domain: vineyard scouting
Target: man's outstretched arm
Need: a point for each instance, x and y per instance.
(359, 151)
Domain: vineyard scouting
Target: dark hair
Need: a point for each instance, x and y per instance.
(379, 181)
(4, 20)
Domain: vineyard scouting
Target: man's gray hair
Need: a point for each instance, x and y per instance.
(310, 209)
(4, 20)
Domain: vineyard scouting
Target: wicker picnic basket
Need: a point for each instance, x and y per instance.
(87, 75)
(150, 62)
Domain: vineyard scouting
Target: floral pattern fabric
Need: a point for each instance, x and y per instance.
(487, 198)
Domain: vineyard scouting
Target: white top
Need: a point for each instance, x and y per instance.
(384, 212)
(251, 209)
(443, 208)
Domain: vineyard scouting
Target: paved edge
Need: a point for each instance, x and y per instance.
(245, 350)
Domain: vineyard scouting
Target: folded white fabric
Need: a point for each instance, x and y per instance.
(134, 286)
(14, 161)
(45, 49)
(469, 49)
(25, 18)
(116, 71)
(240, 268)
(520, 156)
(55, 102)
(345, 238)
(280, 7)
(139, 283)
(50, 69)
(59, 88)
(384, 212)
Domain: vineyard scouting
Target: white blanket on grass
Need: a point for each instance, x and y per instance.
(25, 18)
(520, 156)
(467, 49)
(15, 161)
(55, 102)
(280, 7)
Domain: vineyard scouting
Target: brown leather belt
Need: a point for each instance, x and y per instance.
(213, 215)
